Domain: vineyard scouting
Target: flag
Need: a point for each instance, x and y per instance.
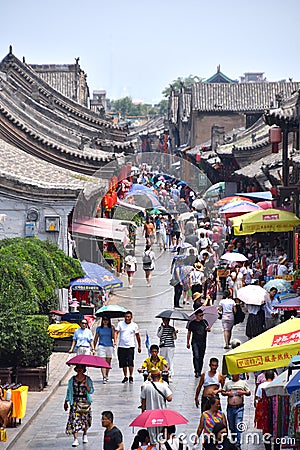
(147, 343)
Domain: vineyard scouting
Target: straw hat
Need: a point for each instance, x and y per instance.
(282, 260)
(198, 266)
(197, 295)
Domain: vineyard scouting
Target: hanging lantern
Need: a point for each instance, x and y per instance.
(275, 138)
(198, 157)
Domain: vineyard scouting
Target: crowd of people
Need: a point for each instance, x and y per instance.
(197, 274)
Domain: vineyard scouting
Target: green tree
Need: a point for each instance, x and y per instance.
(30, 273)
(181, 81)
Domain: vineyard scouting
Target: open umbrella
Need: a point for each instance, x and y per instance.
(155, 211)
(173, 314)
(264, 221)
(289, 305)
(271, 349)
(294, 383)
(199, 204)
(280, 284)
(252, 295)
(96, 277)
(210, 314)
(234, 256)
(278, 385)
(232, 199)
(88, 361)
(111, 311)
(158, 418)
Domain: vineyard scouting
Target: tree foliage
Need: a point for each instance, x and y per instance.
(126, 108)
(30, 273)
(180, 82)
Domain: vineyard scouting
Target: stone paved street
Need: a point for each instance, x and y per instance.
(47, 430)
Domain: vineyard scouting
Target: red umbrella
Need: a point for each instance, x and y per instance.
(158, 418)
(234, 198)
(89, 361)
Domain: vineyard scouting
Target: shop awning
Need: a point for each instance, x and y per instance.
(96, 278)
(271, 349)
(102, 228)
(263, 221)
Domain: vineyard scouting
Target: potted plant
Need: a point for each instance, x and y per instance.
(33, 353)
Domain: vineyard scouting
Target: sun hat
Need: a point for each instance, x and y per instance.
(198, 266)
(197, 295)
(282, 259)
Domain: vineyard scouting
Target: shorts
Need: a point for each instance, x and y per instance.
(176, 234)
(105, 352)
(125, 357)
(130, 272)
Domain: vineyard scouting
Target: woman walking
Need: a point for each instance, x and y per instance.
(227, 308)
(130, 268)
(104, 337)
(209, 419)
(148, 263)
(80, 388)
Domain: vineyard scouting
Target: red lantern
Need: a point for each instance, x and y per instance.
(274, 138)
(198, 157)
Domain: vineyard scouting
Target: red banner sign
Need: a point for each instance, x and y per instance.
(287, 338)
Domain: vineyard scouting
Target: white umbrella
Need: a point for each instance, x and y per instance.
(234, 256)
(252, 295)
(199, 204)
(186, 216)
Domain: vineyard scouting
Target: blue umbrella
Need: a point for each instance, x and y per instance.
(111, 311)
(96, 277)
(280, 284)
(294, 383)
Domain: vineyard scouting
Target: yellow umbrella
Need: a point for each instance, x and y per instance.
(263, 221)
(271, 349)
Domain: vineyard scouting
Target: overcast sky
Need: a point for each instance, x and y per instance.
(137, 48)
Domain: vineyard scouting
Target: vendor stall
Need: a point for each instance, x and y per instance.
(92, 290)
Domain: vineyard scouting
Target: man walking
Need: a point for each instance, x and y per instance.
(235, 389)
(198, 329)
(167, 336)
(113, 438)
(212, 382)
(271, 314)
(127, 331)
(154, 395)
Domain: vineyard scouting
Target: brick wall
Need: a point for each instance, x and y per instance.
(202, 123)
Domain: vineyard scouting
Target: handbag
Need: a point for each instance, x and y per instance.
(83, 407)
(173, 282)
(239, 315)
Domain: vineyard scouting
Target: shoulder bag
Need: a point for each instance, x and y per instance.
(83, 407)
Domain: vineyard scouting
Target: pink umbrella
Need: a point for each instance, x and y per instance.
(210, 314)
(238, 209)
(158, 418)
(88, 361)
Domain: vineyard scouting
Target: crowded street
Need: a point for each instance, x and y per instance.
(123, 399)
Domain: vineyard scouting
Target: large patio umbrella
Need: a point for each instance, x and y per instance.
(215, 190)
(263, 221)
(237, 209)
(271, 349)
(289, 305)
(231, 200)
(96, 277)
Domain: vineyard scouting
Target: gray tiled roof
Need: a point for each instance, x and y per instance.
(288, 111)
(27, 170)
(239, 97)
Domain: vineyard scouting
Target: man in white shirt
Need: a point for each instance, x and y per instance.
(271, 313)
(127, 331)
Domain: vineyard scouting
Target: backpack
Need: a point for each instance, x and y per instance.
(147, 260)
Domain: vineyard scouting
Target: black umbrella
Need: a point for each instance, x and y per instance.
(173, 314)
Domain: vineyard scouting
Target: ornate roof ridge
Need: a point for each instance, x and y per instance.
(24, 69)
